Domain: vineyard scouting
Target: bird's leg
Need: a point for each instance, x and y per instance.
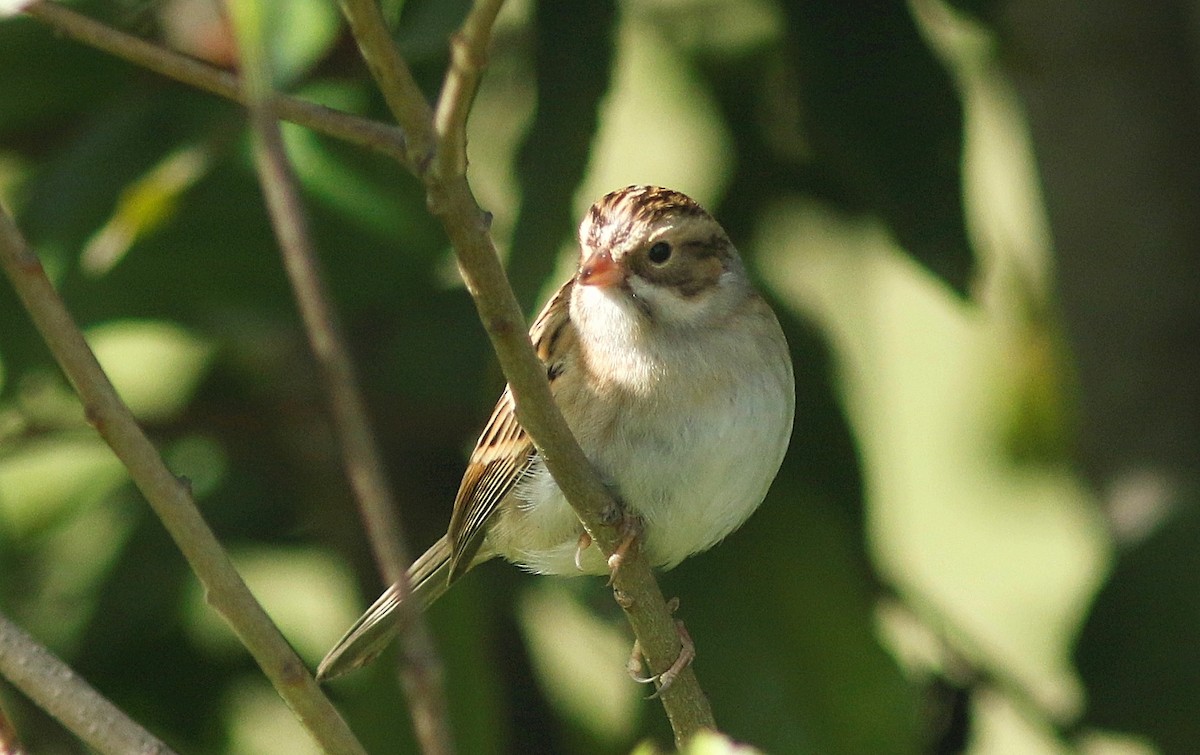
(687, 653)
(630, 527)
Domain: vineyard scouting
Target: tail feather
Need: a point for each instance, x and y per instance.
(367, 638)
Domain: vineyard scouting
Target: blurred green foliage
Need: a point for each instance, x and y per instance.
(925, 533)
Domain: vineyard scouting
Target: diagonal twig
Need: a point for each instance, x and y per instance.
(468, 57)
(421, 669)
(396, 83)
(169, 496)
(62, 693)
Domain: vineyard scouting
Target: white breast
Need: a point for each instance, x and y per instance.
(690, 433)
(697, 468)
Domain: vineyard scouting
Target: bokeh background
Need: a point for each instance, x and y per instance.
(978, 221)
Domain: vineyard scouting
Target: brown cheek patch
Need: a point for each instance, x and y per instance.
(702, 275)
(689, 278)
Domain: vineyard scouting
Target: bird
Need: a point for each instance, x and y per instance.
(673, 374)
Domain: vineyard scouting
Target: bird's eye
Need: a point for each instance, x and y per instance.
(659, 253)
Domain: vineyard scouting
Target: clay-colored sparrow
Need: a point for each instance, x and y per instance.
(673, 374)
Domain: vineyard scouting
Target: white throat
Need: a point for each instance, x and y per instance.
(615, 337)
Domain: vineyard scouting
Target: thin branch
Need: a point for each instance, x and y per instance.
(421, 671)
(364, 132)
(451, 200)
(169, 496)
(62, 693)
(468, 57)
(396, 83)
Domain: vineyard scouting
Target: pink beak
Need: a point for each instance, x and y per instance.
(600, 270)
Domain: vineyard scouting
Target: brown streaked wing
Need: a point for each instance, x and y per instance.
(504, 451)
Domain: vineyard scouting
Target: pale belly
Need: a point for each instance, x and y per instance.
(692, 476)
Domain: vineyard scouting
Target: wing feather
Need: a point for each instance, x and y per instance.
(504, 452)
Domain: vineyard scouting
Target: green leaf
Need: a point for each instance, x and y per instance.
(155, 366)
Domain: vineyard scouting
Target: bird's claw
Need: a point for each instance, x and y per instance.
(664, 680)
(631, 532)
(585, 541)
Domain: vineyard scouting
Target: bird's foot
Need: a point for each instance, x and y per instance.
(631, 531)
(664, 680)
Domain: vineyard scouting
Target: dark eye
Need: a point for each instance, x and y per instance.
(659, 253)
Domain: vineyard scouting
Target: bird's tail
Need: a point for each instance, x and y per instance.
(429, 578)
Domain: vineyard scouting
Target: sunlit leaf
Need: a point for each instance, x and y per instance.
(259, 722)
(307, 593)
(41, 479)
(155, 366)
(143, 207)
(712, 743)
(581, 662)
